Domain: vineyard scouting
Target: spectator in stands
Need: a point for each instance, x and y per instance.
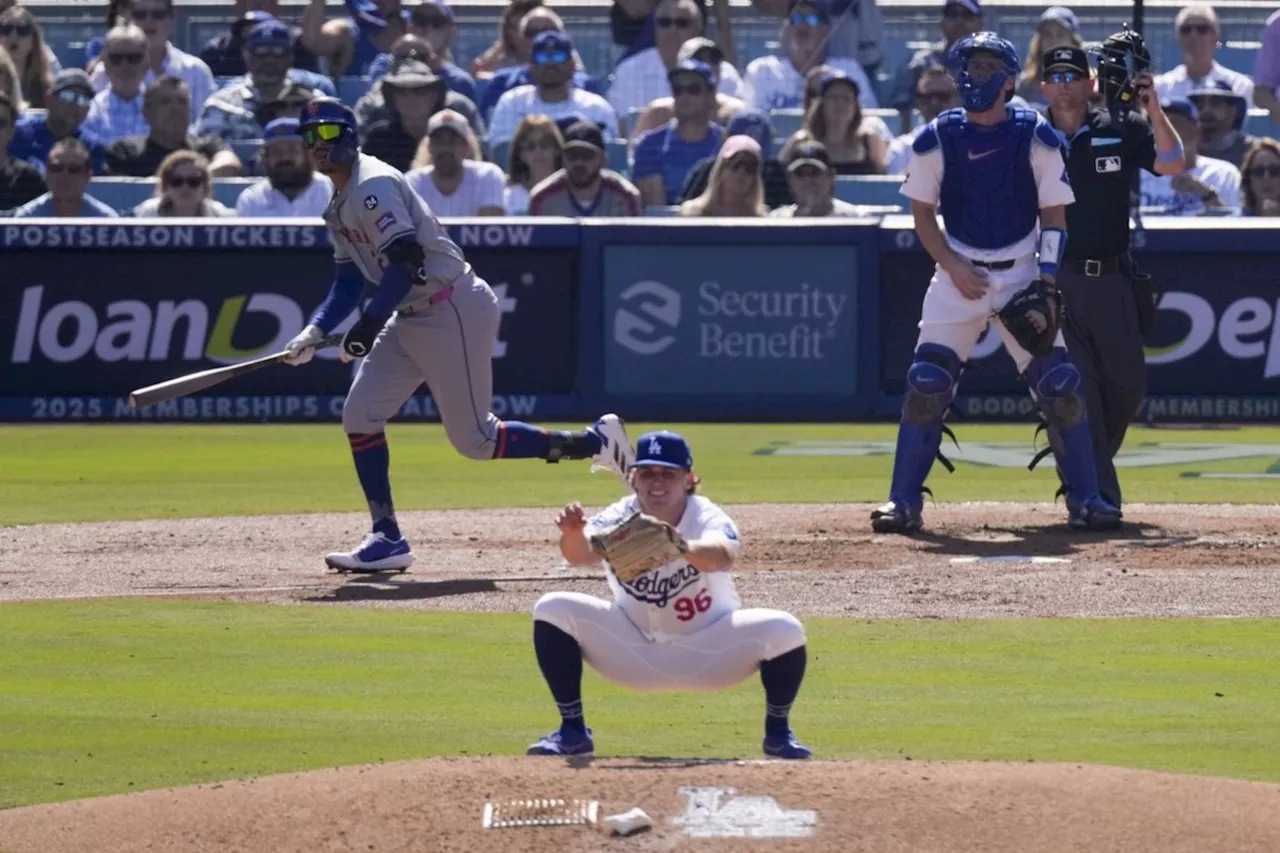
(857, 33)
(959, 19)
(756, 125)
(553, 92)
(117, 14)
(813, 183)
(241, 110)
(510, 49)
(633, 24)
(68, 104)
(372, 106)
(736, 185)
(777, 82)
(1261, 187)
(413, 95)
(116, 111)
(433, 21)
(665, 156)
(1222, 116)
(1197, 30)
(291, 186)
(1207, 186)
(852, 144)
(22, 37)
(728, 104)
(156, 20)
(456, 80)
(67, 173)
(935, 93)
(224, 54)
(540, 20)
(536, 151)
(450, 173)
(19, 180)
(584, 187)
(1266, 69)
(1057, 27)
(9, 85)
(642, 77)
(184, 188)
(165, 107)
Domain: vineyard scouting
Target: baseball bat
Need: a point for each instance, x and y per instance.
(172, 389)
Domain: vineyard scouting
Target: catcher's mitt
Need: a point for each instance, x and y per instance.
(639, 543)
(1033, 316)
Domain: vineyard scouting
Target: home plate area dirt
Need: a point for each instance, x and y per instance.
(973, 561)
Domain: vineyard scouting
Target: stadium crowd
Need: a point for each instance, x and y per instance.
(679, 124)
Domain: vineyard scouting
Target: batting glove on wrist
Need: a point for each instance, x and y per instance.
(303, 348)
(359, 338)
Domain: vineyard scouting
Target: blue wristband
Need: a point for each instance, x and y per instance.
(1053, 241)
(1173, 156)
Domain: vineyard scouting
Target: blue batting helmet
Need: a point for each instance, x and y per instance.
(330, 111)
(978, 97)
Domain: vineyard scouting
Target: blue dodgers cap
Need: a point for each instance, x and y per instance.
(269, 32)
(693, 66)
(664, 448)
(751, 123)
(281, 128)
(549, 40)
(1180, 106)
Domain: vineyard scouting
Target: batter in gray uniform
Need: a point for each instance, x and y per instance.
(430, 319)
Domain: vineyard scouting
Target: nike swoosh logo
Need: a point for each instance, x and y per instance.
(1062, 384)
(978, 155)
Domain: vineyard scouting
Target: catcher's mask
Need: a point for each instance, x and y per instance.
(1121, 58)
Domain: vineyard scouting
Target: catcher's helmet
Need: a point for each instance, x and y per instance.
(318, 112)
(1121, 57)
(981, 96)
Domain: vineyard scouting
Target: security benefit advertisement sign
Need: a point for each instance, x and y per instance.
(1214, 352)
(80, 330)
(720, 320)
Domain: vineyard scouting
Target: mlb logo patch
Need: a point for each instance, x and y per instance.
(385, 221)
(1105, 165)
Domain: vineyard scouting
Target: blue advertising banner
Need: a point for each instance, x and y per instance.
(715, 320)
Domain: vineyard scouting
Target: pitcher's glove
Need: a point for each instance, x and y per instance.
(1033, 316)
(639, 543)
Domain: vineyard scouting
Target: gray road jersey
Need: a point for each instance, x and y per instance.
(376, 207)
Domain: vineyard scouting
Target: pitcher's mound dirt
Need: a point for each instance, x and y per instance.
(436, 805)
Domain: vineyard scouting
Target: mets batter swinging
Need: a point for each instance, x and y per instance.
(993, 171)
(430, 319)
(678, 627)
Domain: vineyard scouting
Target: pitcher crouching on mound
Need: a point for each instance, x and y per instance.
(675, 621)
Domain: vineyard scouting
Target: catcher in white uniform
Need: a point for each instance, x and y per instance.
(675, 622)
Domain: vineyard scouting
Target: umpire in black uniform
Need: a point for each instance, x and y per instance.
(1109, 304)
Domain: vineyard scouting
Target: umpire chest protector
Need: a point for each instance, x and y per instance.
(989, 198)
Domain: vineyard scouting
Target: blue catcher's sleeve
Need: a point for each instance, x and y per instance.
(404, 269)
(344, 296)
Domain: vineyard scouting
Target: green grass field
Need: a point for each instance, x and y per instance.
(92, 473)
(111, 696)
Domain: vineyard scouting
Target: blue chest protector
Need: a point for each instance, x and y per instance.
(989, 198)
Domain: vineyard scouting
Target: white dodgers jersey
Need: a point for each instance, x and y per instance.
(676, 599)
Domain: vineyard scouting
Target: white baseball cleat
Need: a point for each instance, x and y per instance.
(376, 554)
(617, 454)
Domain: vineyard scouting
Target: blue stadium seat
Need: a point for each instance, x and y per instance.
(247, 150)
(618, 156)
(870, 189)
(124, 194)
(786, 122)
(499, 153)
(351, 89)
(227, 190)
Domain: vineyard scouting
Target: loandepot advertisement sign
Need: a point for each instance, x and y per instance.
(1017, 454)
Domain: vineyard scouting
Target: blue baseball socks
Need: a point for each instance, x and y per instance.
(519, 440)
(560, 659)
(373, 467)
(781, 678)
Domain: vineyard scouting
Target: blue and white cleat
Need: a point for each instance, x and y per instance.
(564, 741)
(1096, 513)
(786, 746)
(376, 554)
(617, 454)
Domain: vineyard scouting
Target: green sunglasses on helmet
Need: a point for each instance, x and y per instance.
(313, 133)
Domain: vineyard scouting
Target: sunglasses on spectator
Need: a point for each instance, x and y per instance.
(806, 19)
(550, 57)
(1200, 29)
(666, 23)
(153, 14)
(275, 51)
(1272, 171)
(431, 22)
(580, 155)
(70, 169)
(122, 58)
(72, 96)
(749, 165)
(678, 89)
(23, 30)
(194, 182)
(1057, 77)
(543, 142)
(320, 133)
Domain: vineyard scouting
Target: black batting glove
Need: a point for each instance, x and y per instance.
(359, 338)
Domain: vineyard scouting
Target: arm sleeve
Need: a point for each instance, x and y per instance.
(394, 285)
(648, 155)
(923, 182)
(1052, 184)
(344, 296)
